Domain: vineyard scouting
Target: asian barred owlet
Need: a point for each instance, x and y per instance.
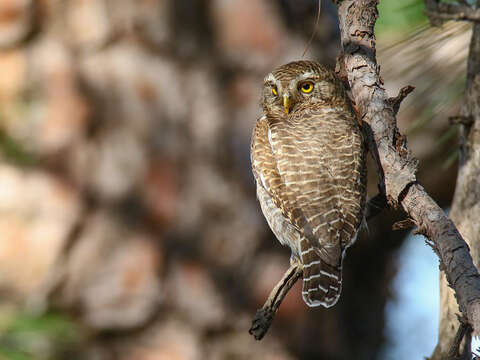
(308, 159)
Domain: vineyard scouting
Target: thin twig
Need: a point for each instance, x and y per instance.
(314, 28)
(397, 100)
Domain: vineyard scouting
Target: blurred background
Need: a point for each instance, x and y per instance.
(129, 226)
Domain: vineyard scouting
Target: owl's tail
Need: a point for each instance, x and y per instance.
(322, 283)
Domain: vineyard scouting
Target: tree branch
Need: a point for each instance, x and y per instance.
(438, 11)
(395, 163)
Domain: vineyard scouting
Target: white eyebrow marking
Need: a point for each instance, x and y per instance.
(269, 77)
(306, 75)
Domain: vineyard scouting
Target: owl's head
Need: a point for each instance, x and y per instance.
(298, 85)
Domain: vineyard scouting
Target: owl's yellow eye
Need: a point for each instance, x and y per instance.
(306, 87)
(274, 90)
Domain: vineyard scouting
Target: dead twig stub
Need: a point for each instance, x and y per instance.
(395, 102)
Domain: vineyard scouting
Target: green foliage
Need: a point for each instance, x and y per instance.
(399, 16)
(14, 152)
(24, 336)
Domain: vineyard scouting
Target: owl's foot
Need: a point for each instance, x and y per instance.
(264, 316)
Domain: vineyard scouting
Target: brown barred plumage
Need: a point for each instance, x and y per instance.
(308, 159)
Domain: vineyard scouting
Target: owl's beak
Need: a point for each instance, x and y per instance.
(286, 103)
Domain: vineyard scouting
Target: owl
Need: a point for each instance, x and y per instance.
(308, 159)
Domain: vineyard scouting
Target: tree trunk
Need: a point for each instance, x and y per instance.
(465, 210)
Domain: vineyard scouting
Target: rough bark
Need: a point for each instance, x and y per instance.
(395, 164)
(465, 210)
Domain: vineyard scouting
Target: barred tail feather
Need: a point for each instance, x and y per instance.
(322, 283)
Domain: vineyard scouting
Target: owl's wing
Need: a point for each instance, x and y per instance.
(305, 168)
(265, 167)
(278, 167)
(318, 159)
